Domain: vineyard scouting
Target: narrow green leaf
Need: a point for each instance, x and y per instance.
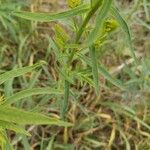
(72, 46)
(25, 142)
(2, 138)
(6, 145)
(66, 99)
(102, 14)
(94, 67)
(46, 17)
(17, 72)
(22, 117)
(125, 28)
(65, 75)
(110, 78)
(29, 92)
(104, 72)
(84, 76)
(13, 127)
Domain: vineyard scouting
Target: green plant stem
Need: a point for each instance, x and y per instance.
(83, 26)
(85, 22)
(78, 36)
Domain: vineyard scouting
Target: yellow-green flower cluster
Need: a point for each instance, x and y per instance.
(73, 3)
(110, 25)
(61, 37)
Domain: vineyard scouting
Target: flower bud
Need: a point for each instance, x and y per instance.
(110, 25)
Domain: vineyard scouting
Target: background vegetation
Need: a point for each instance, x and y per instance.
(87, 70)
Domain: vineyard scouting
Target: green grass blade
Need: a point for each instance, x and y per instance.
(18, 72)
(22, 117)
(110, 78)
(47, 17)
(126, 30)
(104, 72)
(25, 142)
(29, 92)
(5, 145)
(66, 99)
(102, 14)
(2, 139)
(94, 67)
(84, 76)
(65, 75)
(13, 127)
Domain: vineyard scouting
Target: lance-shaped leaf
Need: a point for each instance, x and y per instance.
(18, 72)
(28, 93)
(103, 71)
(47, 17)
(21, 117)
(125, 28)
(94, 65)
(13, 127)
